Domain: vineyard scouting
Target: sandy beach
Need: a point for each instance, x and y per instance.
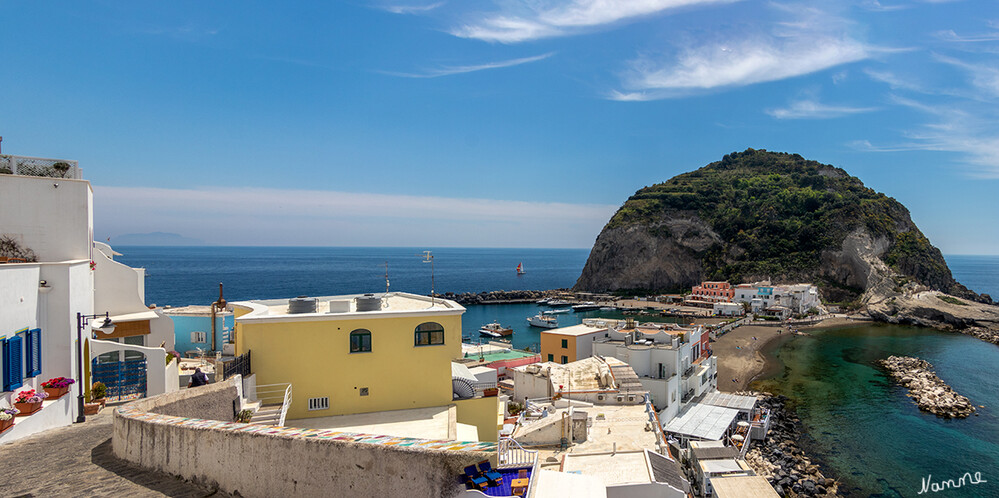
(741, 355)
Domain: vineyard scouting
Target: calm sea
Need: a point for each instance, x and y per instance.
(860, 424)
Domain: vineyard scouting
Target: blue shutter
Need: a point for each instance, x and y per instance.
(12, 374)
(34, 352)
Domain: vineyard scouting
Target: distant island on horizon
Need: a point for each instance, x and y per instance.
(155, 239)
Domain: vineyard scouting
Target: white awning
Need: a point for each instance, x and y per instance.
(703, 421)
(727, 400)
(135, 317)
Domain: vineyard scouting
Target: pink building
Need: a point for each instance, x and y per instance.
(713, 292)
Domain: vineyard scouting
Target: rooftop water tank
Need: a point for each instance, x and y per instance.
(301, 304)
(369, 302)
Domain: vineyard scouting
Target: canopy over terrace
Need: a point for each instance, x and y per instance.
(728, 400)
(702, 421)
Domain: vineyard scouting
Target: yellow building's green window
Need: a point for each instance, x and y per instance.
(360, 341)
(429, 333)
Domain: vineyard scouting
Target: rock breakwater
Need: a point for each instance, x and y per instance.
(781, 461)
(501, 296)
(930, 393)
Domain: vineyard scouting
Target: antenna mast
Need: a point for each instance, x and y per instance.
(428, 257)
(386, 278)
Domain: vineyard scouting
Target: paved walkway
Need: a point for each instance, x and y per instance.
(77, 461)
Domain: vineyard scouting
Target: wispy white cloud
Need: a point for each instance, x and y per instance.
(450, 70)
(895, 81)
(950, 36)
(411, 9)
(876, 6)
(951, 128)
(813, 109)
(524, 20)
(984, 77)
(264, 216)
(808, 41)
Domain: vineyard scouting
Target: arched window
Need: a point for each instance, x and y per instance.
(360, 341)
(429, 333)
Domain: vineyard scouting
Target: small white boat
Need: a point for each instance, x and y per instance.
(495, 330)
(608, 308)
(587, 306)
(542, 302)
(556, 303)
(544, 321)
(556, 311)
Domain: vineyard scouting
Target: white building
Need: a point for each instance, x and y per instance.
(673, 365)
(52, 216)
(798, 298)
(728, 309)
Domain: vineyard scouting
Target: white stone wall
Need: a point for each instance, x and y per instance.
(51, 216)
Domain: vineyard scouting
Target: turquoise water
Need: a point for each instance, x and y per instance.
(515, 316)
(863, 426)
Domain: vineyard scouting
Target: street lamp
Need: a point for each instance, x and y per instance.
(106, 327)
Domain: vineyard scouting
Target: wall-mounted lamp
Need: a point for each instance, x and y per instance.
(44, 287)
(105, 327)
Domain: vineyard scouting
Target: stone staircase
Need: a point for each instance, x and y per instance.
(267, 415)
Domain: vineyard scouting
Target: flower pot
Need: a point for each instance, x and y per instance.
(56, 392)
(27, 408)
(6, 424)
(91, 408)
(102, 401)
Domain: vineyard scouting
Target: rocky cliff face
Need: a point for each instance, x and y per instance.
(760, 215)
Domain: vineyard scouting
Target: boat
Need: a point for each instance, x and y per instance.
(543, 320)
(558, 311)
(608, 308)
(542, 302)
(495, 330)
(520, 269)
(587, 306)
(556, 303)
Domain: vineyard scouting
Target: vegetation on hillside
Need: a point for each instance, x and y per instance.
(776, 212)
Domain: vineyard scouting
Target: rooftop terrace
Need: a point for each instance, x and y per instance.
(393, 303)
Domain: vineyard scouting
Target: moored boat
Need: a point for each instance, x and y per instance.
(495, 330)
(544, 321)
(558, 311)
(556, 303)
(587, 306)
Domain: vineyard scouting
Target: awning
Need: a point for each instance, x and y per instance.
(737, 401)
(703, 421)
(134, 317)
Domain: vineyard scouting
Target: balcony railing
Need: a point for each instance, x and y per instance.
(689, 371)
(686, 397)
(39, 166)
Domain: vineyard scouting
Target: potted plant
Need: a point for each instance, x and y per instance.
(244, 416)
(57, 386)
(97, 392)
(7, 418)
(29, 401)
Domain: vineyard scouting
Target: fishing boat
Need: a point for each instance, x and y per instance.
(543, 320)
(587, 306)
(520, 269)
(495, 330)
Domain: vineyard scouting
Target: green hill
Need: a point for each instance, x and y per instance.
(756, 215)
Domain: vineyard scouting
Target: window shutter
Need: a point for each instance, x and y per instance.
(35, 345)
(12, 375)
(29, 353)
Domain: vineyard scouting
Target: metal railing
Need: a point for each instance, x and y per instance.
(686, 397)
(689, 371)
(285, 404)
(239, 365)
(39, 166)
(511, 454)
(274, 394)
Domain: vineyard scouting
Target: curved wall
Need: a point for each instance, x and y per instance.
(258, 460)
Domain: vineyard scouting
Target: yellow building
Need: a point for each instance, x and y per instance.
(569, 344)
(356, 354)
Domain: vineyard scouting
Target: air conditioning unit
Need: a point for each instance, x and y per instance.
(600, 397)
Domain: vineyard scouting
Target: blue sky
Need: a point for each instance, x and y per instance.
(504, 124)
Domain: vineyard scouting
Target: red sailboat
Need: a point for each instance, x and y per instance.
(520, 269)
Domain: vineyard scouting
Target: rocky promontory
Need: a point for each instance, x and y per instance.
(929, 391)
(760, 215)
(781, 460)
